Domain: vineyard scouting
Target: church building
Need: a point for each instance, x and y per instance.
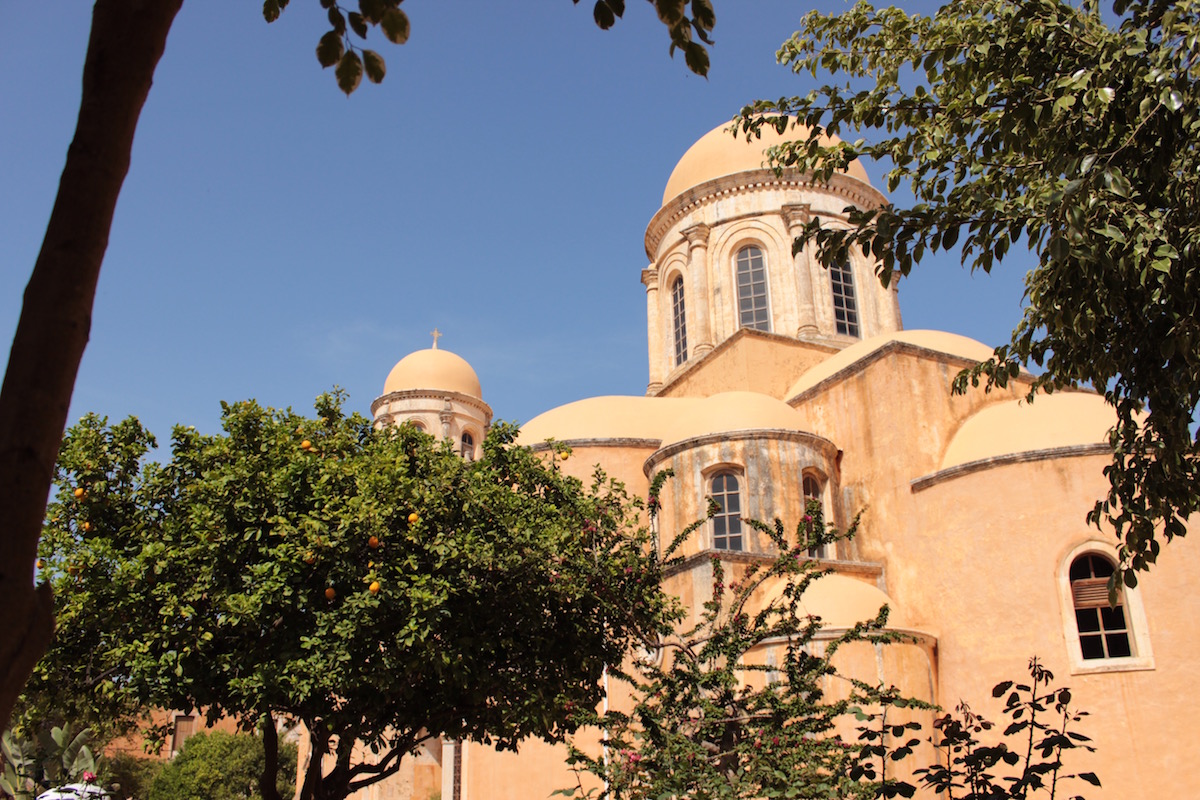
(774, 381)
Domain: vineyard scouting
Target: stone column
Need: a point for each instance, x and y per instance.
(698, 308)
(795, 217)
(447, 416)
(653, 330)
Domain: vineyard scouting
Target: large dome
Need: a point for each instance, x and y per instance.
(719, 153)
(433, 369)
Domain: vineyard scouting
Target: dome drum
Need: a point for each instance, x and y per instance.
(761, 474)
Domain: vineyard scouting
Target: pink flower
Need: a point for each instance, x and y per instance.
(89, 777)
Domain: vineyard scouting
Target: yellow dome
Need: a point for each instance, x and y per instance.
(612, 417)
(433, 369)
(840, 601)
(1062, 419)
(719, 153)
(731, 411)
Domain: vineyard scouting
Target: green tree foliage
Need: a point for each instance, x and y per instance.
(709, 723)
(714, 721)
(370, 584)
(127, 39)
(1074, 130)
(221, 766)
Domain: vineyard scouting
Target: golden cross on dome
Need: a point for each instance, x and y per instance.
(436, 334)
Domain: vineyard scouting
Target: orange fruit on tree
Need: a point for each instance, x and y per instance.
(373, 542)
(374, 587)
(413, 517)
(41, 563)
(310, 557)
(564, 455)
(87, 526)
(306, 445)
(330, 593)
(80, 493)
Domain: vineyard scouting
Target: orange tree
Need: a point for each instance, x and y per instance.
(127, 39)
(369, 584)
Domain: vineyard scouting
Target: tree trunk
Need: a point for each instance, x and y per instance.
(127, 39)
(268, 787)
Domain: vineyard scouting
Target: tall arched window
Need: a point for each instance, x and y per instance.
(467, 446)
(1103, 629)
(727, 522)
(845, 307)
(752, 289)
(680, 320)
(812, 494)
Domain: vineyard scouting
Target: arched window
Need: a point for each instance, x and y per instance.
(752, 289)
(845, 307)
(680, 320)
(812, 494)
(727, 522)
(1103, 629)
(468, 446)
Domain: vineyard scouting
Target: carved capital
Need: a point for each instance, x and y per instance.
(796, 216)
(650, 278)
(697, 235)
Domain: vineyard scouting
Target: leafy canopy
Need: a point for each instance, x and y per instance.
(368, 583)
(1069, 129)
(342, 46)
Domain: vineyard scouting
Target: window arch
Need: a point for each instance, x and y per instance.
(727, 522)
(1100, 637)
(845, 306)
(467, 446)
(752, 289)
(679, 320)
(811, 486)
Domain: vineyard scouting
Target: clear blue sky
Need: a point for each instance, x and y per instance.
(275, 238)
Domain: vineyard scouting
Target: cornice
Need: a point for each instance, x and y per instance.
(432, 394)
(623, 441)
(1023, 457)
(853, 191)
(868, 569)
(827, 448)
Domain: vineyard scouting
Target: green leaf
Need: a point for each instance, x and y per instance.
(395, 26)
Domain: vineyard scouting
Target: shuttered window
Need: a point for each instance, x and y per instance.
(1103, 629)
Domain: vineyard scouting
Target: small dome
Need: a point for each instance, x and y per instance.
(940, 341)
(731, 411)
(1061, 419)
(612, 417)
(433, 369)
(840, 601)
(719, 153)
